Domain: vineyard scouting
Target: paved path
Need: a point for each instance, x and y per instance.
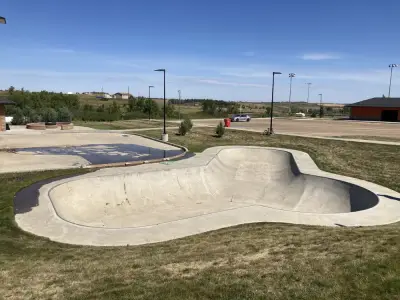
(325, 138)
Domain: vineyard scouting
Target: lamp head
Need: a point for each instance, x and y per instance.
(3, 20)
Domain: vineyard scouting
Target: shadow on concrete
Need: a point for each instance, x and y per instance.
(27, 198)
(390, 197)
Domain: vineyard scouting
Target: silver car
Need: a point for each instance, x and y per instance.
(240, 118)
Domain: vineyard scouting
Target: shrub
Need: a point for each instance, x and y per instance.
(220, 130)
(183, 128)
(18, 117)
(313, 115)
(32, 116)
(64, 115)
(188, 123)
(49, 115)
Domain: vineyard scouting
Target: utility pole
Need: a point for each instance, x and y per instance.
(321, 109)
(308, 95)
(179, 106)
(291, 75)
(391, 66)
(271, 130)
(150, 87)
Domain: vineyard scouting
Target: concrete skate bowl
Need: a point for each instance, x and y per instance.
(234, 178)
(221, 187)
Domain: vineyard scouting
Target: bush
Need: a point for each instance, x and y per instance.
(220, 130)
(188, 123)
(18, 117)
(49, 115)
(64, 115)
(32, 116)
(313, 115)
(183, 128)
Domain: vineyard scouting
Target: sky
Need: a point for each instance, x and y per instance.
(215, 49)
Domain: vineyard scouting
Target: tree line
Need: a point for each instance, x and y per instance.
(47, 106)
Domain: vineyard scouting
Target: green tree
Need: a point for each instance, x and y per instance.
(11, 90)
(50, 115)
(220, 130)
(18, 117)
(170, 110)
(151, 108)
(64, 115)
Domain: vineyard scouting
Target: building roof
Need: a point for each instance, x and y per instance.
(4, 100)
(378, 102)
(122, 94)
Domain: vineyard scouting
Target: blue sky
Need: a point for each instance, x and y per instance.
(215, 49)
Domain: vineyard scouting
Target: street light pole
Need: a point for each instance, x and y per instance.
(271, 130)
(179, 106)
(320, 106)
(308, 94)
(165, 135)
(150, 87)
(391, 66)
(291, 75)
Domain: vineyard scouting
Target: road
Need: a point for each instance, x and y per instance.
(317, 127)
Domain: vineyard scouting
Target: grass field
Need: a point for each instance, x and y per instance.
(125, 124)
(372, 138)
(256, 261)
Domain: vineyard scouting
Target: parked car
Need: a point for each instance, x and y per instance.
(240, 118)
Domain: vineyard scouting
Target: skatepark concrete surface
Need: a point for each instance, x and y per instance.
(221, 187)
(22, 161)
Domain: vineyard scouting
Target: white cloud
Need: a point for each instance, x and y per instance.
(320, 56)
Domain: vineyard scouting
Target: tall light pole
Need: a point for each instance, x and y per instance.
(179, 106)
(291, 75)
(391, 66)
(150, 87)
(271, 131)
(320, 105)
(165, 135)
(308, 94)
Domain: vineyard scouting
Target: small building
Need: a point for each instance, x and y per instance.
(123, 96)
(3, 103)
(376, 109)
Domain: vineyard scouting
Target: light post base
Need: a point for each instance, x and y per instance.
(164, 137)
(269, 131)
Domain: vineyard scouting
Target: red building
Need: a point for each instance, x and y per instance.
(376, 109)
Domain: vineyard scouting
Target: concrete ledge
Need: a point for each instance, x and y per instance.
(36, 126)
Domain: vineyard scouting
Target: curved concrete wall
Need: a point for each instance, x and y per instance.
(234, 178)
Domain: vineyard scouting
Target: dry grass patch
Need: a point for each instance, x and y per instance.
(254, 261)
(125, 124)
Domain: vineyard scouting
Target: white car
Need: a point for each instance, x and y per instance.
(240, 118)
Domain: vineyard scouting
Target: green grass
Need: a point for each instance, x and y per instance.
(125, 124)
(255, 261)
(372, 138)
